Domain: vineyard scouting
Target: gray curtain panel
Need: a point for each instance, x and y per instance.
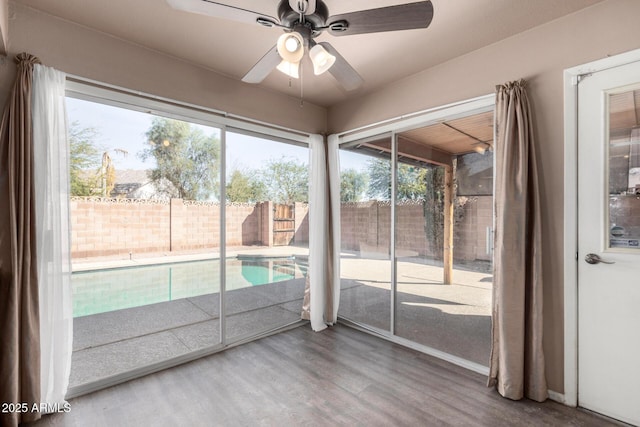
(517, 360)
(19, 317)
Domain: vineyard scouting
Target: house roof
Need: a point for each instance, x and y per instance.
(128, 181)
(132, 176)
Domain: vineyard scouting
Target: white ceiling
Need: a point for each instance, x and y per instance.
(231, 49)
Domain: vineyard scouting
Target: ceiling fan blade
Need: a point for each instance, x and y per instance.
(392, 18)
(344, 73)
(221, 10)
(263, 67)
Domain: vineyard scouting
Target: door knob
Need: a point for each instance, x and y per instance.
(595, 259)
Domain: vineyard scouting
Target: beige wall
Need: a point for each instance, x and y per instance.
(539, 55)
(79, 51)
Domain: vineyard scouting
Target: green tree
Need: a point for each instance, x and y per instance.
(422, 183)
(412, 180)
(187, 160)
(286, 181)
(379, 171)
(353, 185)
(84, 159)
(245, 187)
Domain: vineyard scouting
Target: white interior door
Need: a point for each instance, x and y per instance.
(609, 228)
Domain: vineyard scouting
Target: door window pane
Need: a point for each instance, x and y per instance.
(624, 170)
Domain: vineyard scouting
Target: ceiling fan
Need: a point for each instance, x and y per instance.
(303, 21)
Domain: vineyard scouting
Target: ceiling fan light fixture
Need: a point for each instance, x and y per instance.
(305, 20)
(291, 47)
(322, 60)
(289, 68)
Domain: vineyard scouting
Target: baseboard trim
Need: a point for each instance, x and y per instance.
(557, 397)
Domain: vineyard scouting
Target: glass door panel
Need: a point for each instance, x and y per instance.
(365, 217)
(145, 224)
(443, 262)
(267, 234)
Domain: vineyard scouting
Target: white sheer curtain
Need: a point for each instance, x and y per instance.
(333, 163)
(318, 226)
(324, 233)
(51, 177)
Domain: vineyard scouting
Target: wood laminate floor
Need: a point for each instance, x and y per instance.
(338, 377)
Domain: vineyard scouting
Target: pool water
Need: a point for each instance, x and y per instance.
(99, 291)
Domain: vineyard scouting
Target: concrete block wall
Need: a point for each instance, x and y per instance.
(411, 233)
(470, 234)
(242, 226)
(302, 222)
(358, 224)
(365, 226)
(105, 227)
(266, 223)
(194, 225)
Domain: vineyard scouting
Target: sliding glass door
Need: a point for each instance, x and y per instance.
(185, 236)
(416, 218)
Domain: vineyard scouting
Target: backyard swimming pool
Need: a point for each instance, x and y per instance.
(99, 291)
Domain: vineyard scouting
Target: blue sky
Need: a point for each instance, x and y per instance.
(123, 129)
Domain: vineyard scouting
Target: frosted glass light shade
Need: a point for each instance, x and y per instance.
(291, 47)
(289, 68)
(322, 60)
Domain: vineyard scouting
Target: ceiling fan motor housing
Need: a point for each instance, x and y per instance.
(289, 17)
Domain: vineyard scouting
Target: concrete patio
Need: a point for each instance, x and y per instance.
(451, 318)
(455, 318)
(110, 343)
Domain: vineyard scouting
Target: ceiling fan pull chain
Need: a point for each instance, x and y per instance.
(301, 84)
